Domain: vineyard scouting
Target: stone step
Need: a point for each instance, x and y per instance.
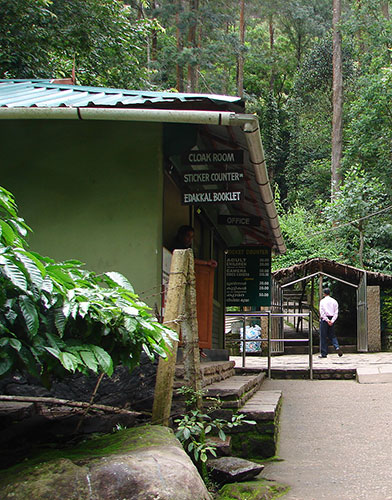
(293, 371)
(210, 371)
(236, 390)
(381, 374)
(264, 405)
(258, 440)
(303, 348)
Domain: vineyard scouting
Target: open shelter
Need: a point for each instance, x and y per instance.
(367, 285)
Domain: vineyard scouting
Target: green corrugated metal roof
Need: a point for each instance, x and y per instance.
(43, 93)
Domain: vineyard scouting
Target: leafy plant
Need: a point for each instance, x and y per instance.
(57, 317)
(194, 427)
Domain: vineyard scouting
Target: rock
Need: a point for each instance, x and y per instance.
(145, 463)
(258, 489)
(233, 469)
(222, 448)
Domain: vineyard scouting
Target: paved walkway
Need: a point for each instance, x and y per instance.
(301, 361)
(335, 437)
(335, 440)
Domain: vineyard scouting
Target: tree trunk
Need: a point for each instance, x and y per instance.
(272, 48)
(240, 76)
(154, 38)
(192, 43)
(179, 68)
(385, 10)
(337, 100)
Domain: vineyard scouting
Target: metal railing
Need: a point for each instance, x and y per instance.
(269, 339)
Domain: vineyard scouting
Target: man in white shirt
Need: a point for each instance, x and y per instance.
(329, 310)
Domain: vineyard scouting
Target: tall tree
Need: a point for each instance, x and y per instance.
(192, 45)
(337, 99)
(240, 78)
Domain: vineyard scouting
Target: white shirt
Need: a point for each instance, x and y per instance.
(329, 307)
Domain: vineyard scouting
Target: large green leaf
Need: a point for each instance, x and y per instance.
(47, 285)
(30, 314)
(32, 269)
(55, 341)
(104, 360)
(20, 226)
(83, 308)
(7, 233)
(120, 280)
(69, 361)
(89, 359)
(60, 321)
(7, 202)
(132, 311)
(53, 351)
(15, 344)
(29, 360)
(15, 275)
(60, 276)
(5, 364)
(130, 324)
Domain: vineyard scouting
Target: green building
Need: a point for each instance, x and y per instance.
(107, 176)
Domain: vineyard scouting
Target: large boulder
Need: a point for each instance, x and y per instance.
(143, 463)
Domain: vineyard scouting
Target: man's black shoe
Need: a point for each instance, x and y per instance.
(322, 356)
(339, 351)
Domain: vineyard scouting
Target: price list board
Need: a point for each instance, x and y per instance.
(248, 277)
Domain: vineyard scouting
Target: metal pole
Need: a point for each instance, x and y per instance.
(269, 343)
(310, 346)
(243, 342)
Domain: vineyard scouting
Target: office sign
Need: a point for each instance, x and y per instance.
(248, 276)
(239, 220)
(214, 157)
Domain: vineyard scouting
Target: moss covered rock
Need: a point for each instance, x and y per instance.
(140, 463)
(259, 489)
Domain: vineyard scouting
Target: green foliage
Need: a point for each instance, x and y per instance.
(360, 196)
(305, 238)
(386, 309)
(43, 38)
(193, 428)
(24, 34)
(369, 131)
(57, 317)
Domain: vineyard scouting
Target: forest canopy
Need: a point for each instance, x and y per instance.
(280, 56)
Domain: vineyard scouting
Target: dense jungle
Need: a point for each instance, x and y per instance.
(318, 74)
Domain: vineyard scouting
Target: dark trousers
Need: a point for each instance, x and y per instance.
(327, 333)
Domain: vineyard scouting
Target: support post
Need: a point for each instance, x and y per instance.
(166, 367)
(190, 334)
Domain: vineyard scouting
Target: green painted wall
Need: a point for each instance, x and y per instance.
(91, 191)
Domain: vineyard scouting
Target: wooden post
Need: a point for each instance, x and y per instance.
(166, 367)
(190, 335)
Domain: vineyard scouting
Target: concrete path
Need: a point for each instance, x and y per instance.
(335, 439)
(301, 361)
